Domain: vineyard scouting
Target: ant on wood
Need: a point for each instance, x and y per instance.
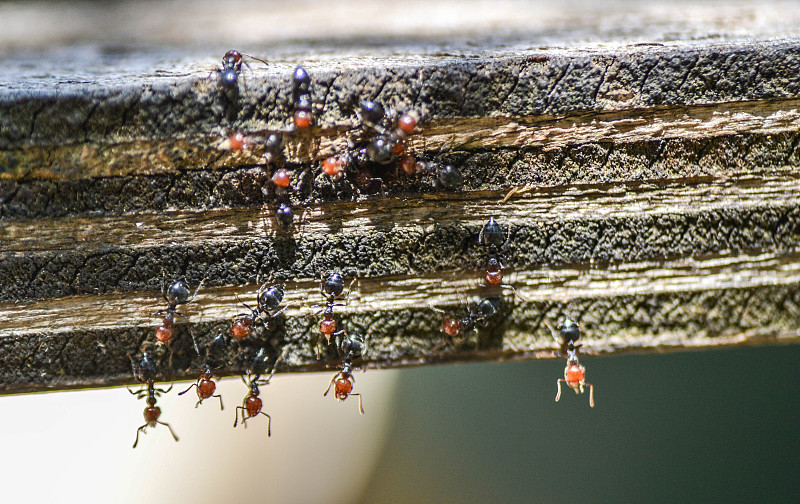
(343, 381)
(301, 96)
(176, 295)
(252, 404)
(475, 316)
(331, 289)
(232, 67)
(205, 384)
(574, 372)
(268, 299)
(145, 372)
(495, 242)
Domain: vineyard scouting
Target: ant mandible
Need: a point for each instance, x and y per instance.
(574, 372)
(205, 384)
(268, 299)
(252, 404)
(331, 289)
(178, 294)
(145, 372)
(343, 381)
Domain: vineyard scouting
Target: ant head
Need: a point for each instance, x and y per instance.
(371, 112)
(492, 234)
(178, 292)
(301, 81)
(449, 177)
(259, 364)
(146, 371)
(273, 144)
(485, 309)
(284, 216)
(569, 331)
(271, 298)
(334, 284)
(353, 347)
(380, 150)
(218, 345)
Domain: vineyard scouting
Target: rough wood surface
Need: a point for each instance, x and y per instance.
(655, 176)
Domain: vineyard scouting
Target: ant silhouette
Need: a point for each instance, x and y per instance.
(176, 295)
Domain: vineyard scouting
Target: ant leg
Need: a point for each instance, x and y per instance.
(236, 416)
(514, 290)
(170, 429)
(346, 297)
(591, 394)
(198, 403)
(188, 389)
(242, 302)
(360, 406)
(162, 390)
(330, 384)
(269, 424)
(221, 407)
(558, 383)
(272, 372)
(199, 286)
(140, 429)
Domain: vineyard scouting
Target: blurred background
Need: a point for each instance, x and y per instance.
(702, 426)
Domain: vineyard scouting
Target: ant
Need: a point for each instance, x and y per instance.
(176, 295)
(331, 289)
(252, 404)
(232, 67)
(268, 299)
(343, 381)
(492, 239)
(145, 372)
(205, 382)
(301, 95)
(574, 372)
(475, 316)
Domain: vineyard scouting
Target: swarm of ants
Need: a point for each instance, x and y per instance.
(377, 147)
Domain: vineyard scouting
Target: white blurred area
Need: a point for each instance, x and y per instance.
(76, 446)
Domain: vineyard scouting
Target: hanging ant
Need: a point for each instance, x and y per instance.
(574, 372)
(205, 384)
(145, 372)
(268, 299)
(331, 289)
(176, 295)
(343, 381)
(474, 316)
(252, 404)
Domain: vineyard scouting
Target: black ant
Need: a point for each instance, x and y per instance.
(252, 404)
(205, 384)
(268, 299)
(145, 372)
(176, 295)
(301, 96)
(232, 67)
(343, 381)
(574, 372)
(495, 242)
(331, 289)
(474, 316)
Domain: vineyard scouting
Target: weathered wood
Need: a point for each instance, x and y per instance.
(655, 195)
